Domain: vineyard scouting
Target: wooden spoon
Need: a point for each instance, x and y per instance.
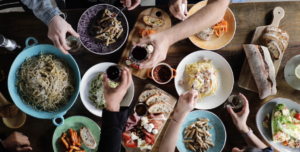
(19, 117)
(9, 111)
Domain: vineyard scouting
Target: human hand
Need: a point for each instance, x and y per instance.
(17, 142)
(175, 8)
(240, 118)
(161, 45)
(130, 4)
(186, 103)
(58, 28)
(114, 96)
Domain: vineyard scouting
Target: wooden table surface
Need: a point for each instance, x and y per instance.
(19, 26)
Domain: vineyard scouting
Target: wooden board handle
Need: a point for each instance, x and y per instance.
(278, 14)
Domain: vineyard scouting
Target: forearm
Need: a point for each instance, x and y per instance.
(111, 130)
(43, 10)
(209, 15)
(169, 140)
(252, 140)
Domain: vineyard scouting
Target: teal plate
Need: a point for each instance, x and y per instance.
(76, 122)
(218, 131)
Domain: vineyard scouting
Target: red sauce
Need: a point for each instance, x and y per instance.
(162, 73)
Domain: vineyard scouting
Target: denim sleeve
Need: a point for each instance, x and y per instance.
(43, 10)
(269, 149)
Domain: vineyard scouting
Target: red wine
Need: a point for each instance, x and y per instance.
(139, 53)
(113, 73)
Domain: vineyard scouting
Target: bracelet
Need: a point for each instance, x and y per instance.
(248, 134)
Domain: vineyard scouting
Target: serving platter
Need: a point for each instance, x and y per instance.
(218, 131)
(173, 103)
(266, 132)
(134, 37)
(86, 83)
(214, 42)
(246, 79)
(75, 123)
(225, 78)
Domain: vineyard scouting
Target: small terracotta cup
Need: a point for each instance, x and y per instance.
(173, 73)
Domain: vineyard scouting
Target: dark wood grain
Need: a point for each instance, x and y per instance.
(19, 26)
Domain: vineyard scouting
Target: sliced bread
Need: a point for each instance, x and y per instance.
(148, 93)
(153, 21)
(87, 138)
(273, 28)
(158, 99)
(208, 30)
(160, 108)
(274, 49)
(271, 37)
(203, 36)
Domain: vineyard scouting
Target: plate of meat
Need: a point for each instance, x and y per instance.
(150, 114)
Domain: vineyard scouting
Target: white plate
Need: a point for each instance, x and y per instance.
(225, 78)
(262, 113)
(86, 83)
(289, 72)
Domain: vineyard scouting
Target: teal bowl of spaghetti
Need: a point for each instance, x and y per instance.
(43, 82)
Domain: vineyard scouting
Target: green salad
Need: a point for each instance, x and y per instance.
(97, 91)
(285, 126)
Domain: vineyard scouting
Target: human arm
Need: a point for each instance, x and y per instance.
(114, 118)
(209, 15)
(240, 120)
(16, 142)
(55, 20)
(186, 103)
(130, 4)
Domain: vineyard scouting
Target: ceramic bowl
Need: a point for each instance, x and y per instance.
(266, 133)
(94, 45)
(225, 78)
(75, 123)
(214, 43)
(86, 83)
(34, 50)
(218, 131)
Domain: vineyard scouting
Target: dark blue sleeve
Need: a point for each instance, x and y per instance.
(269, 149)
(2, 137)
(113, 124)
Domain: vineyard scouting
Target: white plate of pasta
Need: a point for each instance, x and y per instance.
(208, 73)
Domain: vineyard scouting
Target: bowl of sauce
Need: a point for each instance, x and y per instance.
(141, 109)
(162, 73)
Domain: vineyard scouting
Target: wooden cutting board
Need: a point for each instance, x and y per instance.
(134, 37)
(246, 79)
(173, 103)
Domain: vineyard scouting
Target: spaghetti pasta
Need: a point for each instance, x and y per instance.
(45, 82)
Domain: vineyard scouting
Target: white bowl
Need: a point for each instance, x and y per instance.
(86, 83)
(289, 72)
(225, 78)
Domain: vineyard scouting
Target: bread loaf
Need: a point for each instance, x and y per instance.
(160, 108)
(153, 21)
(87, 138)
(158, 99)
(148, 93)
(262, 69)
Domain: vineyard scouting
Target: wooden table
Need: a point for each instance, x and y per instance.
(19, 26)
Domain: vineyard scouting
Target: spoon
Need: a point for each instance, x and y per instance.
(116, 14)
(9, 111)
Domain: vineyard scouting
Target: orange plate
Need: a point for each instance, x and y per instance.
(214, 42)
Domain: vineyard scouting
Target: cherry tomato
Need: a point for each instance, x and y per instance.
(297, 116)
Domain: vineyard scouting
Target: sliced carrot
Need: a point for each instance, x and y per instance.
(144, 34)
(141, 31)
